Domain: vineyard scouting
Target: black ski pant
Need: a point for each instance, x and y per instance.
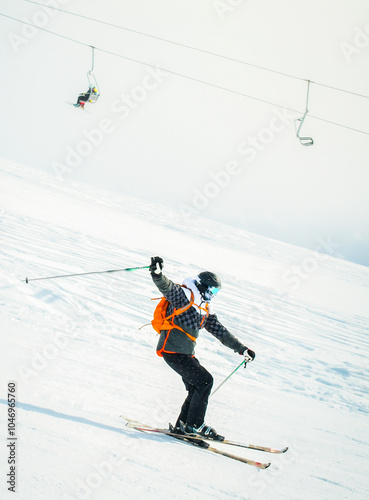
(83, 97)
(198, 382)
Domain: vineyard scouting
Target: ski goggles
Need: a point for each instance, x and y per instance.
(213, 290)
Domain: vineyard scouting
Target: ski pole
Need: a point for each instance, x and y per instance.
(27, 280)
(243, 362)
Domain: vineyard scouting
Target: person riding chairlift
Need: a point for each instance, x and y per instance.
(91, 96)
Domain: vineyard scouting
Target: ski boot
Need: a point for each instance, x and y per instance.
(204, 431)
(175, 429)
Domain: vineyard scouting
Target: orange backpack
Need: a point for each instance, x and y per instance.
(160, 315)
(161, 321)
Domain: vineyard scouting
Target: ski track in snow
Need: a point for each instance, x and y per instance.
(74, 347)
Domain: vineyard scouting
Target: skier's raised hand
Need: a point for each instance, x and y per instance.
(156, 266)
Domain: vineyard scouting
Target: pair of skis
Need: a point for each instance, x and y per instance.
(76, 106)
(205, 443)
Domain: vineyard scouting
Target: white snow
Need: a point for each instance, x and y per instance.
(74, 347)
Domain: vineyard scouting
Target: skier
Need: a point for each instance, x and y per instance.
(188, 311)
(91, 95)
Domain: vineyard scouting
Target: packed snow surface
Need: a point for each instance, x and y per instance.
(74, 348)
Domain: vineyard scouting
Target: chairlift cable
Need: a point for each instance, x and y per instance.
(152, 65)
(208, 52)
(181, 74)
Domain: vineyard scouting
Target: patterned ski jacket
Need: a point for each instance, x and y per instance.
(191, 320)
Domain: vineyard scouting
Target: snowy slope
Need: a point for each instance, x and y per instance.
(74, 348)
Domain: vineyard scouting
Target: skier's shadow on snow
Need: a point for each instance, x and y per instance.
(64, 416)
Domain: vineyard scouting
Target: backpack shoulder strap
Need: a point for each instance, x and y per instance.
(181, 310)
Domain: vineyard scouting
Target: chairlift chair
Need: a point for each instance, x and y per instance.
(305, 141)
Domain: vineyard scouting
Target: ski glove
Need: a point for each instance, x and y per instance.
(154, 269)
(249, 355)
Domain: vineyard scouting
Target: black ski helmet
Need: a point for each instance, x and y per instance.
(205, 282)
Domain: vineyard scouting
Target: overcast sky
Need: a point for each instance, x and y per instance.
(162, 137)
